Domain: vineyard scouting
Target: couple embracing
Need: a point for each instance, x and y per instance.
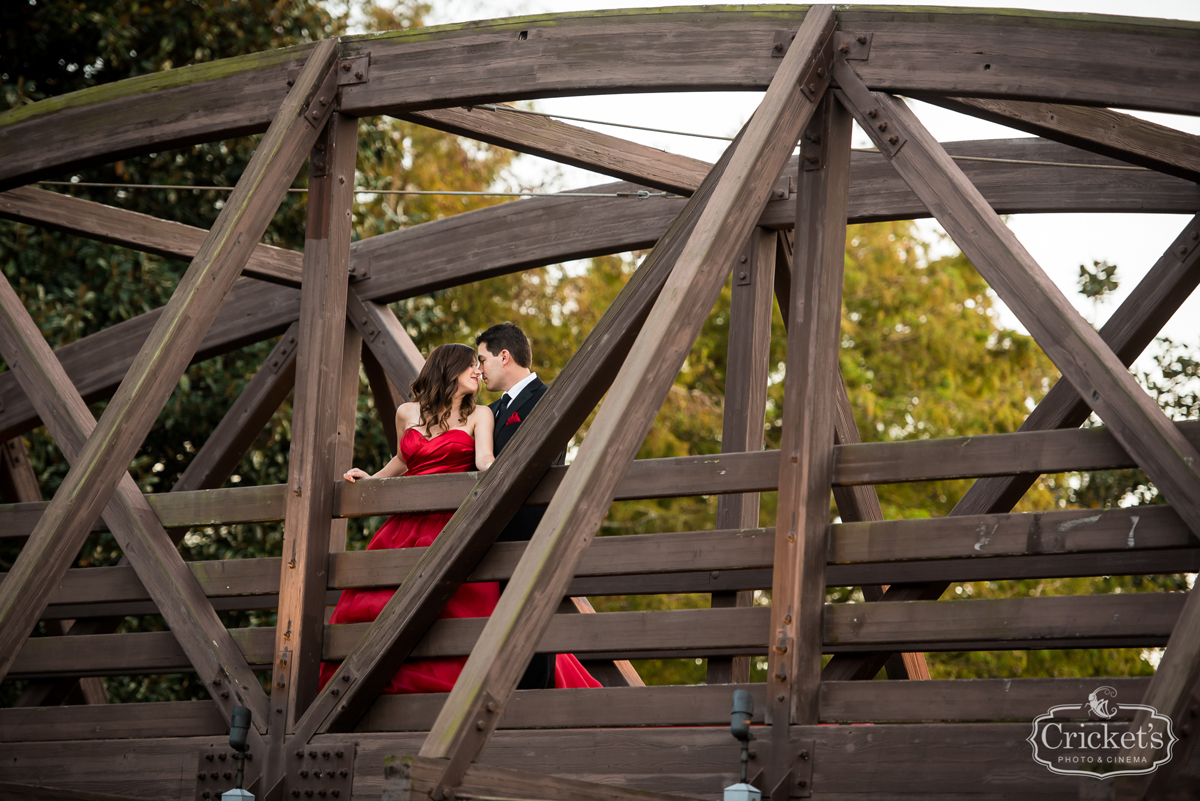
(443, 431)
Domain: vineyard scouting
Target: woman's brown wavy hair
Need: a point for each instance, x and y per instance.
(435, 386)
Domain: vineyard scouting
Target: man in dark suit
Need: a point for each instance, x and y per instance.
(505, 359)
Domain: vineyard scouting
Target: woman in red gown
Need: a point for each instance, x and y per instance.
(442, 431)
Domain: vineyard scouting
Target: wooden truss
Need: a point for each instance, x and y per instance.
(777, 222)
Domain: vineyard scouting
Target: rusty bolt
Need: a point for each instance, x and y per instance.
(313, 754)
(814, 138)
(744, 259)
(227, 775)
(1195, 235)
(343, 773)
(811, 159)
(345, 66)
(801, 783)
(200, 776)
(216, 682)
(894, 139)
(491, 707)
(779, 193)
(304, 774)
(804, 755)
(479, 724)
(780, 698)
(882, 126)
(872, 113)
(339, 753)
(812, 87)
(1183, 250)
(843, 49)
(777, 47)
(358, 74)
(291, 81)
(335, 793)
(753, 754)
(299, 754)
(862, 38)
(334, 692)
(325, 754)
(209, 757)
(225, 694)
(345, 677)
(316, 774)
(279, 684)
(221, 757)
(295, 793)
(820, 72)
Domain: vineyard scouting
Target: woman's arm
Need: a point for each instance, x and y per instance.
(406, 417)
(484, 425)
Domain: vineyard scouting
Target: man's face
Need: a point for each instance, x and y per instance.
(491, 369)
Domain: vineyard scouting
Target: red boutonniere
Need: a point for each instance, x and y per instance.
(515, 418)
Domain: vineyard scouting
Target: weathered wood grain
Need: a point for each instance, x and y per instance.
(387, 398)
(72, 215)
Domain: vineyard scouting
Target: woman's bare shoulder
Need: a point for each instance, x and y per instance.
(481, 413)
(409, 412)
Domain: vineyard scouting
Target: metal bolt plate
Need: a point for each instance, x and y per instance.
(216, 772)
(324, 771)
(354, 70)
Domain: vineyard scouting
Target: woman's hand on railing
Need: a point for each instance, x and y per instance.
(355, 473)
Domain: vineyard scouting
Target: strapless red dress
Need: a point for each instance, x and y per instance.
(449, 452)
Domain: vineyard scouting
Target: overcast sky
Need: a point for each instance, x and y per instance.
(1059, 242)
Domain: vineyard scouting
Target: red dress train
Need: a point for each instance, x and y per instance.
(450, 452)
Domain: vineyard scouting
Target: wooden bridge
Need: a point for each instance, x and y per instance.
(778, 222)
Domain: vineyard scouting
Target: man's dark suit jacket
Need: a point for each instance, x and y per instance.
(526, 520)
(540, 673)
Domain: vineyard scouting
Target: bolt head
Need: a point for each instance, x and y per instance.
(334, 692)
(804, 755)
(777, 47)
(780, 698)
(313, 753)
(862, 38)
(359, 75)
(339, 753)
(345, 66)
(345, 677)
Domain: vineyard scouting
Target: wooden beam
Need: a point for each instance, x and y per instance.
(18, 481)
(489, 506)
(746, 367)
(181, 327)
(527, 605)
(347, 415)
(314, 451)
(389, 343)
(568, 144)
(180, 599)
(1074, 346)
(1100, 130)
(414, 778)
(28, 792)
(806, 454)
(136, 231)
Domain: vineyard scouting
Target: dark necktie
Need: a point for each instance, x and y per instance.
(504, 399)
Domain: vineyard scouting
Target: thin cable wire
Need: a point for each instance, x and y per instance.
(488, 107)
(641, 194)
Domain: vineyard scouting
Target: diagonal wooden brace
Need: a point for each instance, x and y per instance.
(1074, 346)
(174, 588)
(548, 564)
(164, 356)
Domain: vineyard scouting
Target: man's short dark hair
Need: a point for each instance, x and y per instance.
(506, 336)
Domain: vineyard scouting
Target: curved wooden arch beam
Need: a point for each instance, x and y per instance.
(1018, 55)
(514, 236)
(1101, 130)
(1027, 55)
(73, 215)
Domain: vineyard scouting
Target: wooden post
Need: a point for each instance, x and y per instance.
(18, 482)
(166, 353)
(347, 413)
(539, 582)
(746, 367)
(806, 452)
(299, 634)
(174, 588)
